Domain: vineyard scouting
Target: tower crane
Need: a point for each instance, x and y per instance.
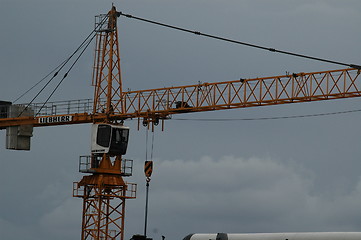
(104, 190)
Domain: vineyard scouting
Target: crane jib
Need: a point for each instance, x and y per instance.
(163, 102)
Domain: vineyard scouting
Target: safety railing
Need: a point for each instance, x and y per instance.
(93, 191)
(87, 164)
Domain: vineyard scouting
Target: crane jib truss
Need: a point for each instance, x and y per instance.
(163, 102)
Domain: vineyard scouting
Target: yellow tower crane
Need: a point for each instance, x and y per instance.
(104, 190)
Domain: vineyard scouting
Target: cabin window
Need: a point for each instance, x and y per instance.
(125, 134)
(119, 141)
(103, 135)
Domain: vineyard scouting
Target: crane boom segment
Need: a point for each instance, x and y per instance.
(243, 93)
(291, 88)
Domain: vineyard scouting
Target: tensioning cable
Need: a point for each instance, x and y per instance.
(84, 45)
(239, 42)
(65, 75)
(265, 118)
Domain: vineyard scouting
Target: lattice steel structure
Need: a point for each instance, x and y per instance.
(107, 72)
(104, 192)
(243, 93)
(103, 205)
(162, 102)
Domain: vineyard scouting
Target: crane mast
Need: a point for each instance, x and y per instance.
(104, 191)
(107, 72)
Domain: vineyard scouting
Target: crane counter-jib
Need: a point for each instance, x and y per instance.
(50, 120)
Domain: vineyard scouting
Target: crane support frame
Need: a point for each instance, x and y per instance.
(103, 206)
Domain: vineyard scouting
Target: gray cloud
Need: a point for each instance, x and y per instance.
(246, 176)
(244, 195)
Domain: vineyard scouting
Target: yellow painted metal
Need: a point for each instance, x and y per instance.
(160, 103)
(104, 192)
(107, 72)
(104, 198)
(302, 87)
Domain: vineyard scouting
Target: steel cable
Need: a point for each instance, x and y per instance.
(239, 42)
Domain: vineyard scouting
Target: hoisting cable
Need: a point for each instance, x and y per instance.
(146, 145)
(239, 42)
(147, 165)
(152, 149)
(61, 66)
(148, 170)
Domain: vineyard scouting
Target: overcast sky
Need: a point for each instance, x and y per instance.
(243, 176)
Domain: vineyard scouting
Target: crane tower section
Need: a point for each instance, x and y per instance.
(106, 71)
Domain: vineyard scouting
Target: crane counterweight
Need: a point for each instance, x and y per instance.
(19, 137)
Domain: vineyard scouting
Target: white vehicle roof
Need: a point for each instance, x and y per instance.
(276, 236)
